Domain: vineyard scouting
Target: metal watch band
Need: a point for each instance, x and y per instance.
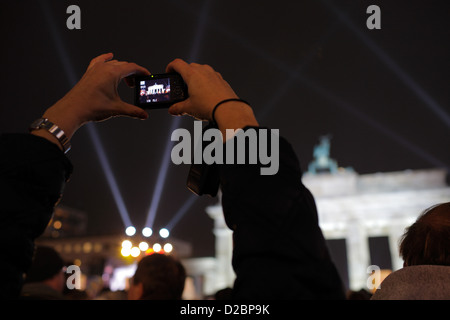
(57, 132)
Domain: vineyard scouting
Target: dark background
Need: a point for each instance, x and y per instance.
(309, 68)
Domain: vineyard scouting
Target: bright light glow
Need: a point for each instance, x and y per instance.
(164, 233)
(157, 247)
(57, 224)
(126, 244)
(130, 231)
(143, 246)
(135, 252)
(147, 232)
(120, 277)
(168, 247)
(181, 212)
(125, 252)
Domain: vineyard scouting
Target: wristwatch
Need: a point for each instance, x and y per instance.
(43, 123)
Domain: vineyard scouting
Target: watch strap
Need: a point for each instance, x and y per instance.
(56, 131)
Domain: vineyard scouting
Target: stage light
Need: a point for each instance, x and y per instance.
(168, 247)
(130, 231)
(135, 252)
(147, 232)
(126, 244)
(143, 246)
(125, 252)
(164, 233)
(157, 247)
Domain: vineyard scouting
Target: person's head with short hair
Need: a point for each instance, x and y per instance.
(157, 277)
(47, 268)
(427, 241)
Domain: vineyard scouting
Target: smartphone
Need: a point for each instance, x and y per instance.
(159, 90)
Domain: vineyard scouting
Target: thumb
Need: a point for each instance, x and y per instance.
(132, 111)
(178, 109)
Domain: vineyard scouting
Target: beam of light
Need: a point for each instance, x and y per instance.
(72, 78)
(109, 175)
(181, 212)
(392, 65)
(373, 123)
(162, 173)
(117, 196)
(294, 74)
(62, 52)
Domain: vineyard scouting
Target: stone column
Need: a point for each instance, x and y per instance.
(224, 248)
(358, 255)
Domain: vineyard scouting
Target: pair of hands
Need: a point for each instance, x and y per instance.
(95, 96)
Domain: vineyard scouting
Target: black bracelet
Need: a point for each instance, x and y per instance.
(225, 101)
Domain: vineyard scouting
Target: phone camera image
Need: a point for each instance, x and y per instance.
(154, 90)
(159, 90)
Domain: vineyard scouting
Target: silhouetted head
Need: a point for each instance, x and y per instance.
(158, 277)
(427, 241)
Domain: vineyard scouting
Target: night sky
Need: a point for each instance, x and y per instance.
(309, 68)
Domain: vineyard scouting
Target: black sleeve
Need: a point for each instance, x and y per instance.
(33, 172)
(279, 250)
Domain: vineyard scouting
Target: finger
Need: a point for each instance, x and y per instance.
(129, 69)
(219, 75)
(132, 111)
(177, 109)
(130, 81)
(101, 58)
(178, 65)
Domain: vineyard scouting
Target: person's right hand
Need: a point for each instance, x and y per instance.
(206, 89)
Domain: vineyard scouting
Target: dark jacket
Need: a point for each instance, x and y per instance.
(33, 172)
(40, 291)
(279, 250)
(422, 282)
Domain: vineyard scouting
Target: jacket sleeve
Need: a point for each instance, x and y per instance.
(279, 250)
(33, 172)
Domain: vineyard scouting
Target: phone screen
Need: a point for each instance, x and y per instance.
(159, 90)
(154, 90)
